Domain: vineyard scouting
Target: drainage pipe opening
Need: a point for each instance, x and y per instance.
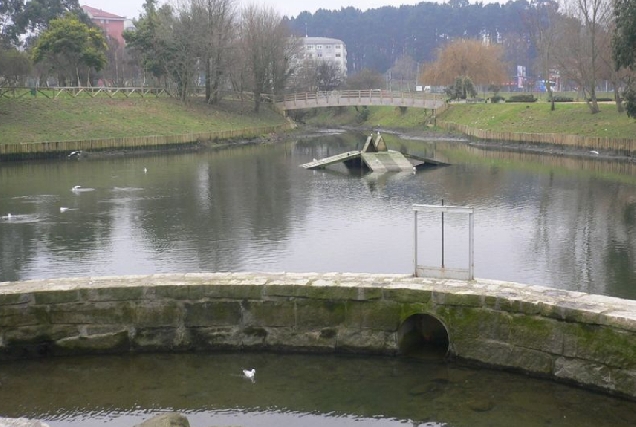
(423, 335)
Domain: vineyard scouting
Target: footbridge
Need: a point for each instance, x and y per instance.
(350, 98)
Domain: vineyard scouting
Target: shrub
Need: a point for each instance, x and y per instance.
(522, 98)
(363, 114)
(562, 99)
(630, 102)
(601, 99)
(497, 98)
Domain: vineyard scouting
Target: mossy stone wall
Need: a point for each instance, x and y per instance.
(571, 336)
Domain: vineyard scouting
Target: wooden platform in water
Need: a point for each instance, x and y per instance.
(376, 157)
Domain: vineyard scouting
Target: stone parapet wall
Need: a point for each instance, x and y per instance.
(569, 336)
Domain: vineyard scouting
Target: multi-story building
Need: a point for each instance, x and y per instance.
(324, 49)
(113, 25)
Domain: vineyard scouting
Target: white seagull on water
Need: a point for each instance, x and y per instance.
(249, 373)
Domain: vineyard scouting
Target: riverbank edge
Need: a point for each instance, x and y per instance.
(58, 149)
(611, 147)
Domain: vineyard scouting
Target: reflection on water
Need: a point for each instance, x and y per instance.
(540, 219)
(293, 390)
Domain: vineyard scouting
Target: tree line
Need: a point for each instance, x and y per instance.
(577, 44)
(181, 46)
(189, 45)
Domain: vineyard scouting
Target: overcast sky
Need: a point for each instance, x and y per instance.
(132, 8)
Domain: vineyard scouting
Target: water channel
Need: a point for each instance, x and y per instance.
(552, 220)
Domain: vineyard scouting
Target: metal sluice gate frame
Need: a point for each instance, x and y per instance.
(443, 272)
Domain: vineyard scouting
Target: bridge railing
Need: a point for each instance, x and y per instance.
(355, 94)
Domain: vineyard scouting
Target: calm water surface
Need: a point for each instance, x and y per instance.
(549, 220)
(294, 390)
(540, 219)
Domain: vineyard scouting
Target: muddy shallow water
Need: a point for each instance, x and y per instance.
(293, 390)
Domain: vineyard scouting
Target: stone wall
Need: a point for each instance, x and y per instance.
(569, 336)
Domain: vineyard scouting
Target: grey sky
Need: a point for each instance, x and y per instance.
(132, 8)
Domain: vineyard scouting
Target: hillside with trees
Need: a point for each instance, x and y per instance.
(216, 47)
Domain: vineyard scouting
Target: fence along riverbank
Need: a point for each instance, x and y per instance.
(34, 150)
(618, 146)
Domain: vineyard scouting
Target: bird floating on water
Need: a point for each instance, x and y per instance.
(8, 216)
(63, 209)
(145, 170)
(594, 152)
(76, 188)
(249, 373)
(75, 154)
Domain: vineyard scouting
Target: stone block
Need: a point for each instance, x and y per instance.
(120, 313)
(166, 420)
(56, 296)
(107, 293)
(212, 313)
(463, 298)
(235, 291)
(315, 314)
(92, 344)
(538, 333)
(215, 338)
(602, 344)
(179, 292)
(305, 340)
(156, 313)
(331, 293)
(624, 381)
(407, 295)
(364, 341)
(159, 339)
(39, 333)
(15, 298)
(378, 315)
(584, 372)
(271, 314)
(21, 422)
(496, 353)
(468, 323)
(17, 316)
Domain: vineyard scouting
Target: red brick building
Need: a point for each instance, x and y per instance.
(112, 24)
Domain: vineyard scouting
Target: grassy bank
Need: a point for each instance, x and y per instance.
(568, 118)
(39, 120)
(388, 117)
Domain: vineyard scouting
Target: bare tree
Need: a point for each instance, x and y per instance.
(265, 45)
(216, 30)
(617, 77)
(177, 34)
(365, 79)
(578, 47)
(404, 71)
(542, 19)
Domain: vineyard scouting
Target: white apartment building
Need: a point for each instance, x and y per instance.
(324, 49)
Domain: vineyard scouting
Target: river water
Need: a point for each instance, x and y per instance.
(296, 391)
(552, 220)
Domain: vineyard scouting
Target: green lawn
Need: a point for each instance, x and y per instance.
(41, 119)
(568, 118)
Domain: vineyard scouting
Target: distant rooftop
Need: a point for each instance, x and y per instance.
(95, 13)
(308, 39)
